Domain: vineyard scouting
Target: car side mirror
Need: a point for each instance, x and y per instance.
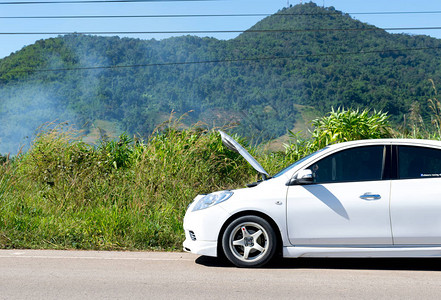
(302, 177)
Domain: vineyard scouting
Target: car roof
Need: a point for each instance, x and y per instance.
(409, 142)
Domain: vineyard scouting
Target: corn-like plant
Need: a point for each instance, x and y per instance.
(339, 126)
(348, 125)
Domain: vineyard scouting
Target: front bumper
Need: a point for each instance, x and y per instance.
(202, 229)
(200, 247)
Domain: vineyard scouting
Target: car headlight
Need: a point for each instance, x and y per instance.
(212, 199)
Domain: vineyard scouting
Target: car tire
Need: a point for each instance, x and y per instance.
(249, 241)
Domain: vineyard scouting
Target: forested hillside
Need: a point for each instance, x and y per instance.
(259, 79)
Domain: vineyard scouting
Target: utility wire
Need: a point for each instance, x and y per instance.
(215, 15)
(92, 1)
(138, 16)
(224, 31)
(395, 12)
(257, 59)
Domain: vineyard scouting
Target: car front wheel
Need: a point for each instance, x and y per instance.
(249, 241)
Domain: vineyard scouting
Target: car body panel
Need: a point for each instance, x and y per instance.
(334, 214)
(267, 198)
(416, 211)
(373, 251)
(231, 144)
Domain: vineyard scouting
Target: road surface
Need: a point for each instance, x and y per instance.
(34, 274)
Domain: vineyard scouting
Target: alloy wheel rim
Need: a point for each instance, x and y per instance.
(249, 241)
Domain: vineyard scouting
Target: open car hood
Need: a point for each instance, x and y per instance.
(231, 144)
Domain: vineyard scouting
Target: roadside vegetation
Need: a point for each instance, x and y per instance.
(131, 194)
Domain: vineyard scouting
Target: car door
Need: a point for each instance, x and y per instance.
(416, 196)
(348, 203)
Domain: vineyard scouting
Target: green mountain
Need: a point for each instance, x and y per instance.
(258, 80)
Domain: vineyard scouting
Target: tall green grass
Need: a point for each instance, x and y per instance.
(124, 194)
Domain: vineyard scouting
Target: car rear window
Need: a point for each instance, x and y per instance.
(418, 162)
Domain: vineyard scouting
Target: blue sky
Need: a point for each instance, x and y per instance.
(12, 43)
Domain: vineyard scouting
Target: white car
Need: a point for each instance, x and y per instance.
(367, 198)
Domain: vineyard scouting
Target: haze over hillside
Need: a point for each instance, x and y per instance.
(263, 79)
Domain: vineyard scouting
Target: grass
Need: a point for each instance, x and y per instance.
(123, 194)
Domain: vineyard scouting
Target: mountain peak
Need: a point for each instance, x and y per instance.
(306, 17)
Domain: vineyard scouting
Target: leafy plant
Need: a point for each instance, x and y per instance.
(348, 125)
(339, 126)
(118, 154)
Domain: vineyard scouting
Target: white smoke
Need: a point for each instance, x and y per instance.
(23, 109)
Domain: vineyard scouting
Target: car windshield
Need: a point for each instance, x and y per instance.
(290, 167)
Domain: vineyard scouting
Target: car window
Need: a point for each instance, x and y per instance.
(418, 162)
(356, 164)
(290, 167)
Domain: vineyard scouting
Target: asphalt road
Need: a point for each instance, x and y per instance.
(34, 274)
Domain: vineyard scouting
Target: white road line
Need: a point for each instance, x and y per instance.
(97, 258)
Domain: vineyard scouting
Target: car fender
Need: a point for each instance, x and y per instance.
(268, 199)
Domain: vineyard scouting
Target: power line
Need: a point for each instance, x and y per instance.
(114, 67)
(395, 12)
(224, 31)
(138, 16)
(214, 15)
(92, 1)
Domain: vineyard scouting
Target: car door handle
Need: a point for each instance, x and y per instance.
(370, 196)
